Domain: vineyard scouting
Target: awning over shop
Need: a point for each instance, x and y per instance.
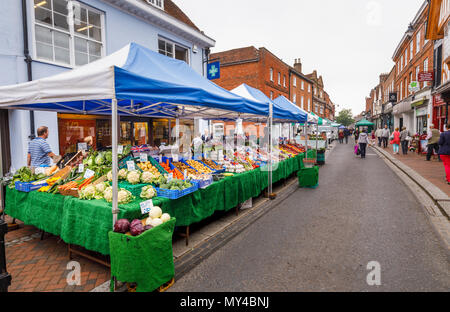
(402, 107)
(144, 82)
(419, 103)
(282, 110)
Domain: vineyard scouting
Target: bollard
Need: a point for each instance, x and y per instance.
(5, 278)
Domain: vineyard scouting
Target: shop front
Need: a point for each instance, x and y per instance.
(439, 112)
(421, 120)
(387, 119)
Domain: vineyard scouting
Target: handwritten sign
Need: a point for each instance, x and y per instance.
(80, 168)
(170, 177)
(120, 149)
(143, 157)
(160, 158)
(146, 206)
(175, 158)
(89, 173)
(130, 165)
(185, 173)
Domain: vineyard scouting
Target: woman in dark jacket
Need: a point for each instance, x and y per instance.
(444, 151)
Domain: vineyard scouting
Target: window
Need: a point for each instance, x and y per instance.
(425, 40)
(294, 98)
(173, 50)
(316, 108)
(309, 105)
(410, 79)
(271, 74)
(303, 85)
(321, 110)
(279, 79)
(295, 81)
(157, 3)
(406, 88)
(418, 42)
(406, 57)
(271, 95)
(425, 69)
(321, 94)
(284, 81)
(309, 88)
(67, 40)
(302, 102)
(401, 63)
(401, 90)
(411, 50)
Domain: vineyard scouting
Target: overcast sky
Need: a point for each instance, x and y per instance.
(348, 42)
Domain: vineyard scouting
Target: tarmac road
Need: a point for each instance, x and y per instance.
(323, 239)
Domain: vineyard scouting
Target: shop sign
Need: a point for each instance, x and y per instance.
(426, 76)
(438, 101)
(146, 206)
(213, 70)
(414, 86)
(393, 97)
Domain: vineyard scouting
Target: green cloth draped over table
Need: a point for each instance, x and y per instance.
(146, 260)
(87, 223)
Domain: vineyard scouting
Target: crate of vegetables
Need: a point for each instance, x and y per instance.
(29, 186)
(172, 169)
(213, 165)
(176, 188)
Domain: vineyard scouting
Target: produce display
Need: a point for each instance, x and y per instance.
(148, 192)
(212, 164)
(148, 167)
(175, 184)
(24, 174)
(137, 227)
(175, 172)
(134, 177)
(201, 168)
(182, 166)
(124, 196)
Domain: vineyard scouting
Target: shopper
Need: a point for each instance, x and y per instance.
(356, 135)
(346, 135)
(385, 134)
(396, 140)
(404, 136)
(379, 137)
(363, 141)
(39, 151)
(341, 137)
(433, 141)
(444, 151)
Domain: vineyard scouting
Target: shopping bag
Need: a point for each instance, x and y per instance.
(356, 150)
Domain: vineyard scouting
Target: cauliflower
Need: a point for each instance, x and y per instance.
(88, 192)
(123, 195)
(101, 187)
(123, 174)
(148, 192)
(134, 177)
(155, 222)
(109, 175)
(147, 177)
(165, 217)
(155, 212)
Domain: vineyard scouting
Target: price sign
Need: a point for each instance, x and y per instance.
(130, 165)
(39, 170)
(143, 158)
(170, 177)
(160, 158)
(175, 158)
(82, 146)
(120, 149)
(146, 206)
(185, 173)
(89, 173)
(80, 168)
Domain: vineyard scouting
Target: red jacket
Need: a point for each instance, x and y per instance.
(396, 139)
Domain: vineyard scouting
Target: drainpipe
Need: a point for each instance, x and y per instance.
(28, 59)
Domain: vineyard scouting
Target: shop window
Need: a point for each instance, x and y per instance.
(173, 50)
(66, 39)
(73, 131)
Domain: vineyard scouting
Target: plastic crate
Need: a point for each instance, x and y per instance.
(28, 186)
(204, 183)
(309, 163)
(123, 161)
(214, 170)
(157, 165)
(175, 194)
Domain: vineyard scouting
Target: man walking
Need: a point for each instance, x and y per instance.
(378, 135)
(39, 151)
(433, 141)
(385, 135)
(346, 135)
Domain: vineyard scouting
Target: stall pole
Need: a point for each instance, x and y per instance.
(115, 161)
(306, 138)
(271, 195)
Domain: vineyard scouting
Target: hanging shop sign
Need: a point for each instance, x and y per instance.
(213, 70)
(413, 86)
(393, 97)
(426, 76)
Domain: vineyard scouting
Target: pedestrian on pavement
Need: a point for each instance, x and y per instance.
(39, 151)
(385, 134)
(379, 137)
(346, 135)
(373, 138)
(341, 137)
(363, 141)
(444, 151)
(356, 135)
(433, 141)
(396, 140)
(404, 140)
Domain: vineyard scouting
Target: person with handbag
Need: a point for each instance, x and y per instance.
(395, 140)
(433, 140)
(444, 151)
(363, 141)
(404, 139)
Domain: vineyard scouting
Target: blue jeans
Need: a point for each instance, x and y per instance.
(396, 148)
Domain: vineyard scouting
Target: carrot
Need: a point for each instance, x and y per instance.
(86, 182)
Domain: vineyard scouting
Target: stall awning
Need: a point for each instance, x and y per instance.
(144, 82)
(364, 123)
(283, 102)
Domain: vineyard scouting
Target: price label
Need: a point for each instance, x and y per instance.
(143, 158)
(82, 146)
(160, 158)
(175, 158)
(170, 177)
(80, 168)
(146, 206)
(130, 165)
(185, 173)
(120, 149)
(39, 170)
(89, 173)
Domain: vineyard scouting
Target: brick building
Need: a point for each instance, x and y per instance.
(388, 87)
(413, 55)
(319, 103)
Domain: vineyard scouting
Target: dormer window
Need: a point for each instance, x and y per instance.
(157, 3)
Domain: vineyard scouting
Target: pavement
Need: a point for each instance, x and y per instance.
(327, 239)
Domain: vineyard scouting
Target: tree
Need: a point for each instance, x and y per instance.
(345, 117)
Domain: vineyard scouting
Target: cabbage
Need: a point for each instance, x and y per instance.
(148, 192)
(134, 177)
(156, 222)
(134, 222)
(90, 161)
(147, 177)
(108, 156)
(122, 226)
(137, 229)
(165, 217)
(88, 192)
(122, 174)
(99, 160)
(155, 212)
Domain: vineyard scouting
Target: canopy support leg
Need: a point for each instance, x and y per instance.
(115, 186)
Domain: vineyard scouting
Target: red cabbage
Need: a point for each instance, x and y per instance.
(137, 229)
(122, 226)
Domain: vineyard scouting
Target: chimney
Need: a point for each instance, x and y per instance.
(298, 65)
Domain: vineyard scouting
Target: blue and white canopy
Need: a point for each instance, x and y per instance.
(145, 83)
(282, 111)
(285, 103)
